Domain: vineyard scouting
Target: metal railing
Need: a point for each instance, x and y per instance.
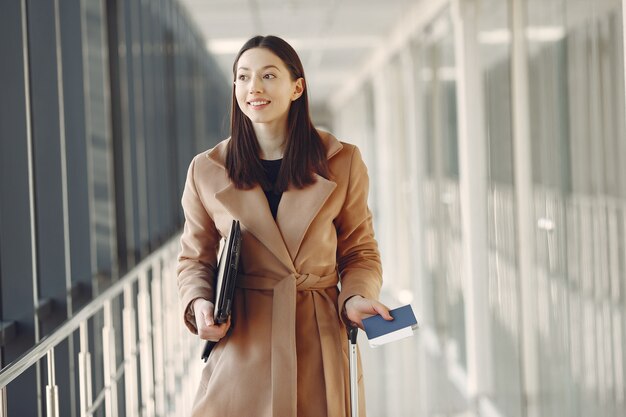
(158, 375)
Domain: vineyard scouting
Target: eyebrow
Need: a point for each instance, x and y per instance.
(265, 67)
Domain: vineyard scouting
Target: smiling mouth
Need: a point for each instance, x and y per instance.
(258, 103)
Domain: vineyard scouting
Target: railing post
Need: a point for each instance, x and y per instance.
(130, 352)
(145, 342)
(84, 371)
(171, 330)
(157, 308)
(52, 391)
(109, 362)
(3, 402)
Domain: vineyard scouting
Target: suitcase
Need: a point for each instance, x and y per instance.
(354, 387)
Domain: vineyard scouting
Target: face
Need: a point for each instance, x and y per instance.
(264, 88)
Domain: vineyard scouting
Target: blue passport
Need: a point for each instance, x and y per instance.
(380, 331)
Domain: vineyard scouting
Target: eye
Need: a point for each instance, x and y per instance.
(269, 76)
(242, 77)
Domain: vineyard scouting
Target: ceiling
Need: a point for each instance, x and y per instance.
(334, 38)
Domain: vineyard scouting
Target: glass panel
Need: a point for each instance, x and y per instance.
(494, 38)
(550, 148)
(398, 152)
(98, 138)
(427, 199)
(577, 119)
(436, 76)
(16, 255)
(99, 146)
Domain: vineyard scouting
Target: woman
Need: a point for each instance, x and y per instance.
(301, 198)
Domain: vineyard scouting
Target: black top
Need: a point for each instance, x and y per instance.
(271, 169)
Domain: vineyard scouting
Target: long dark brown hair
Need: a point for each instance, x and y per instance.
(304, 151)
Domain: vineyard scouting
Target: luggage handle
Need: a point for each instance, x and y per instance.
(353, 332)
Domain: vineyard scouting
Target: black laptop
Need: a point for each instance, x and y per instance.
(225, 281)
(227, 274)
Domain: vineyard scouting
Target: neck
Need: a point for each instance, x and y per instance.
(271, 138)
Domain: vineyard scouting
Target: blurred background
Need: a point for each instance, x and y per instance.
(495, 136)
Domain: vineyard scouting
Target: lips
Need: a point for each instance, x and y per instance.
(258, 103)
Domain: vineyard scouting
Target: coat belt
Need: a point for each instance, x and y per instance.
(283, 351)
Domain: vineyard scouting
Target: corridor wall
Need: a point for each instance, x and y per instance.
(102, 106)
(494, 133)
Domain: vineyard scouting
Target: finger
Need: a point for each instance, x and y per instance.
(383, 310)
(213, 334)
(220, 328)
(200, 326)
(226, 324)
(219, 331)
(208, 318)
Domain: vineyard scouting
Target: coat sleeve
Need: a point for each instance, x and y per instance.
(358, 257)
(198, 256)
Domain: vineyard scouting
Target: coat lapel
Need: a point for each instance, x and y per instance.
(296, 211)
(251, 209)
(298, 208)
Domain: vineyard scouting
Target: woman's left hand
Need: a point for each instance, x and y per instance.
(357, 308)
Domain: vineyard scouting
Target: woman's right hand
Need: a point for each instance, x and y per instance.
(207, 329)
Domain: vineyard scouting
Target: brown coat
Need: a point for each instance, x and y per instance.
(286, 353)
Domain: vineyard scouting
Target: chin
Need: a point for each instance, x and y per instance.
(256, 118)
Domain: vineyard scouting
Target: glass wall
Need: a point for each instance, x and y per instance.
(435, 75)
(550, 144)
(494, 43)
(577, 120)
(570, 118)
(103, 105)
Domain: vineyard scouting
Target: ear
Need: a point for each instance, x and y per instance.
(298, 90)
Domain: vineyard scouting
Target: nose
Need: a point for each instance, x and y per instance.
(256, 85)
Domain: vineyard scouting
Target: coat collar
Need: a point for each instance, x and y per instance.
(218, 153)
(296, 211)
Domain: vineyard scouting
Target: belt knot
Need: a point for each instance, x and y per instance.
(306, 281)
